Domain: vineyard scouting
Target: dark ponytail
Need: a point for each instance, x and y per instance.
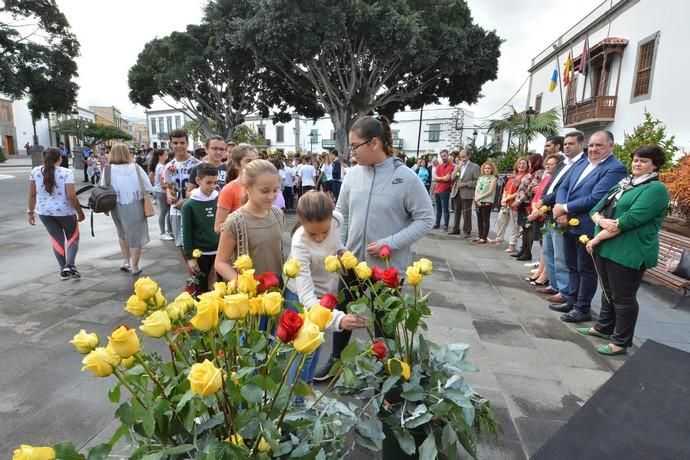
(371, 127)
(51, 156)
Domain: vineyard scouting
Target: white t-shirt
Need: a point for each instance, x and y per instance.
(56, 203)
(327, 170)
(307, 173)
(158, 177)
(289, 179)
(177, 174)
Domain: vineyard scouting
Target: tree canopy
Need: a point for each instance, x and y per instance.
(92, 133)
(348, 58)
(525, 129)
(37, 51)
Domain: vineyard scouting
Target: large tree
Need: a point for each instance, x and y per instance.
(37, 51)
(348, 58)
(201, 69)
(92, 133)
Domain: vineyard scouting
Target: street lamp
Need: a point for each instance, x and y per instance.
(77, 123)
(529, 113)
(474, 139)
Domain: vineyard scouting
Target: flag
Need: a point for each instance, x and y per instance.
(554, 80)
(585, 56)
(568, 70)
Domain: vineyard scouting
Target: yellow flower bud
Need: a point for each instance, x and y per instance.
(272, 303)
(27, 452)
(220, 288)
(246, 282)
(236, 306)
(204, 378)
(320, 315)
(145, 288)
(574, 222)
(196, 253)
(264, 446)
(237, 440)
(256, 306)
(413, 276)
(243, 262)
(404, 366)
(135, 306)
(308, 339)
(584, 239)
(175, 310)
(423, 266)
(363, 271)
(156, 325)
(124, 341)
(85, 343)
(127, 363)
(206, 317)
(332, 264)
(101, 361)
(291, 268)
(544, 209)
(187, 299)
(348, 260)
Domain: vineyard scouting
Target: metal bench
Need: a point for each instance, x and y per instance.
(670, 246)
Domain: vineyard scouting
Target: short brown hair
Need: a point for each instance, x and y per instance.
(178, 133)
(119, 154)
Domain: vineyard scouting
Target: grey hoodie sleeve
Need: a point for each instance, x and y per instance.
(343, 208)
(418, 205)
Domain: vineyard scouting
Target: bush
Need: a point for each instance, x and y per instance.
(506, 160)
(677, 179)
(651, 131)
(3, 158)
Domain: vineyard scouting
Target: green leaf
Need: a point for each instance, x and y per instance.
(114, 393)
(389, 383)
(349, 353)
(303, 389)
(428, 451)
(405, 440)
(188, 396)
(153, 456)
(149, 423)
(178, 449)
(348, 376)
(252, 393)
(226, 326)
(415, 394)
(358, 308)
(124, 413)
(66, 451)
(100, 452)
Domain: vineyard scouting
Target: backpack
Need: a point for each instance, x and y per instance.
(103, 198)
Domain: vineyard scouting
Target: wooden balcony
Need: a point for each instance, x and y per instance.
(597, 110)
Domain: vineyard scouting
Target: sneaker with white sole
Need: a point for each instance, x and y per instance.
(65, 274)
(165, 237)
(74, 273)
(323, 372)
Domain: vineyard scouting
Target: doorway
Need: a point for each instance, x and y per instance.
(9, 145)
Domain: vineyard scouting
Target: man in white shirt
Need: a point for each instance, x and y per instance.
(288, 184)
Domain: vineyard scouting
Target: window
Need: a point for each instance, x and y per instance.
(169, 120)
(434, 132)
(153, 126)
(178, 122)
(280, 134)
(161, 127)
(537, 102)
(395, 134)
(646, 53)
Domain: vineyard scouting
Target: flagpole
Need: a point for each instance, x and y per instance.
(584, 83)
(560, 88)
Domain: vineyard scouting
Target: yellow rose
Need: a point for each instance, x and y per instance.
(237, 440)
(145, 288)
(135, 306)
(206, 317)
(246, 282)
(236, 306)
(348, 260)
(264, 446)
(320, 315)
(584, 239)
(175, 310)
(424, 266)
(574, 222)
(196, 253)
(412, 276)
(272, 303)
(291, 268)
(128, 362)
(544, 209)
(85, 343)
(220, 288)
(101, 361)
(159, 300)
(308, 339)
(204, 378)
(26, 452)
(243, 263)
(363, 271)
(186, 299)
(332, 263)
(156, 325)
(124, 341)
(405, 368)
(256, 306)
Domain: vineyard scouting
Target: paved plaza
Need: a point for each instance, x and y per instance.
(536, 370)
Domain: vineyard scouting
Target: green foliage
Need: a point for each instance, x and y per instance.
(245, 134)
(92, 133)
(507, 159)
(480, 155)
(519, 126)
(3, 158)
(651, 131)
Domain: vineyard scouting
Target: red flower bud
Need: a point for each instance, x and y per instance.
(390, 277)
(329, 301)
(379, 349)
(385, 251)
(266, 281)
(289, 325)
(377, 273)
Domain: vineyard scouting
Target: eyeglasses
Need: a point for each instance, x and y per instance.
(353, 148)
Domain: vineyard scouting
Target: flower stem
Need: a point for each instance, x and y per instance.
(151, 374)
(174, 346)
(116, 373)
(282, 381)
(292, 389)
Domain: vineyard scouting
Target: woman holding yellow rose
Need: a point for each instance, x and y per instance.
(315, 237)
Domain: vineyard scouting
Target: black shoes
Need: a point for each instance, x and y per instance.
(560, 307)
(576, 316)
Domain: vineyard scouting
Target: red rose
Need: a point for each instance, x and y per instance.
(385, 251)
(377, 273)
(288, 326)
(329, 301)
(266, 281)
(390, 277)
(379, 349)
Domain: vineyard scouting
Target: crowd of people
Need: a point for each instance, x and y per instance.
(596, 223)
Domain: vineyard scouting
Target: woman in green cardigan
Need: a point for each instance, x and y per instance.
(628, 220)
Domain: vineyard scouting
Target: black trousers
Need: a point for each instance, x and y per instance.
(484, 219)
(526, 229)
(462, 207)
(206, 263)
(289, 196)
(619, 307)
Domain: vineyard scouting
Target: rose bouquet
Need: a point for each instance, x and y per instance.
(225, 390)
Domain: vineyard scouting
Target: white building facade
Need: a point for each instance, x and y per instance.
(631, 67)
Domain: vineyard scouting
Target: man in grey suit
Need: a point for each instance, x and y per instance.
(465, 176)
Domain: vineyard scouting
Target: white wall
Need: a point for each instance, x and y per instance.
(23, 125)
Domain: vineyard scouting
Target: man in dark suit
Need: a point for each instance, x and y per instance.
(552, 241)
(581, 189)
(465, 176)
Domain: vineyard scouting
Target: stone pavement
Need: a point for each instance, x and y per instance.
(536, 370)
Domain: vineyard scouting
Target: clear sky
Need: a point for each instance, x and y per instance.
(112, 33)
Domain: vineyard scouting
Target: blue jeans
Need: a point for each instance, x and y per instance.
(554, 259)
(582, 281)
(442, 200)
(312, 360)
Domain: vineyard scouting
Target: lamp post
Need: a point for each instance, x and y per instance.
(528, 114)
(474, 139)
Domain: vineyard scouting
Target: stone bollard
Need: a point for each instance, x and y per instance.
(36, 152)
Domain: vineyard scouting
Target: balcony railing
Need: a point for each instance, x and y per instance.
(597, 109)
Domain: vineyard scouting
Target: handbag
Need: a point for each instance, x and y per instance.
(149, 209)
(680, 266)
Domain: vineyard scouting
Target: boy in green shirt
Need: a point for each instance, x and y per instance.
(198, 217)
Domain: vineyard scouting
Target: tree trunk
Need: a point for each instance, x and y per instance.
(33, 123)
(342, 122)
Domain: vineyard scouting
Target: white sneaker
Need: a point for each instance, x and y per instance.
(165, 237)
(532, 264)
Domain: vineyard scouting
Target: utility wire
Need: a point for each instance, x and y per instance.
(506, 103)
